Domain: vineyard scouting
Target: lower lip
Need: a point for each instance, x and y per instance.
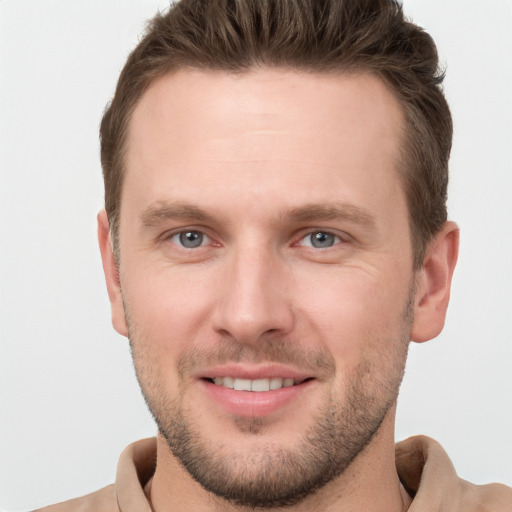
(252, 403)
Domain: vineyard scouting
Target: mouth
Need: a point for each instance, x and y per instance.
(256, 385)
(244, 391)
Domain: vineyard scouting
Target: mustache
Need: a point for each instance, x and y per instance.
(269, 350)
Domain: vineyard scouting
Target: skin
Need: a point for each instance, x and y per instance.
(271, 157)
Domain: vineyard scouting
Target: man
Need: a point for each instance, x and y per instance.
(274, 236)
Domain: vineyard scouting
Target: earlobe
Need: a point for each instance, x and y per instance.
(111, 270)
(433, 284)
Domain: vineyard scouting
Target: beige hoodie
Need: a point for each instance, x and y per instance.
(423, 467)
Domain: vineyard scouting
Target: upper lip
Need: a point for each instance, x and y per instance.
(253, 372)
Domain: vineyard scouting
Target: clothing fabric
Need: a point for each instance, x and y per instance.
(424, 468)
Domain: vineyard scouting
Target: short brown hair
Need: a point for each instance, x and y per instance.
(311, 35)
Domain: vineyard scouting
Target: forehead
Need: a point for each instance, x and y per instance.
(254, 131)
(263, 99)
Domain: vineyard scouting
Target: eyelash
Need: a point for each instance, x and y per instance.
(203, 236)
(336, 239)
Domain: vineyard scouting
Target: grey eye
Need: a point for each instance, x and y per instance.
(321, 239)
(190, 239)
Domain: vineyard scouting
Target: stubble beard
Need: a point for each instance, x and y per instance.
(273, 477)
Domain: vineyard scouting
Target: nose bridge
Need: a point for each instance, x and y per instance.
(254, 298)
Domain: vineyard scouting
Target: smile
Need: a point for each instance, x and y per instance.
(257, 385)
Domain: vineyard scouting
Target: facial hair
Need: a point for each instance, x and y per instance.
(273, 477)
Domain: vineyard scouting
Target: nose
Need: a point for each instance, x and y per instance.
(254, 299)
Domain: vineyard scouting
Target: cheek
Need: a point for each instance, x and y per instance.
(352, 309)
(168, 311)
(362, 324)
(172, 295)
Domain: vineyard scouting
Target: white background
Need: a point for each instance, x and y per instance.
(69, 402)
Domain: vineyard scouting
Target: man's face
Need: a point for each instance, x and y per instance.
(264, 243)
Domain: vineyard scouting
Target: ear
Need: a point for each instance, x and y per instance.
(433, 282)
(111, 270)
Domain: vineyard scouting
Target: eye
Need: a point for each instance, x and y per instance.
(190, 239)
(320, 240)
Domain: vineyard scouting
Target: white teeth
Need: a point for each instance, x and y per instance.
(257, 385)
(242, 385)
(229, 382)
(276, 383)
(260, 385)
(287, 383)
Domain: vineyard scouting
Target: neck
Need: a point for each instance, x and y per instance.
(370, 483)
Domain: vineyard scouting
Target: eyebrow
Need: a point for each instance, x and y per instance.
(343, 211)
(161, 211)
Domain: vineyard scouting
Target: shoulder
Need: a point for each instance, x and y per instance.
(104, 500)
(135, 467)
(428, 475)
(489, 497)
